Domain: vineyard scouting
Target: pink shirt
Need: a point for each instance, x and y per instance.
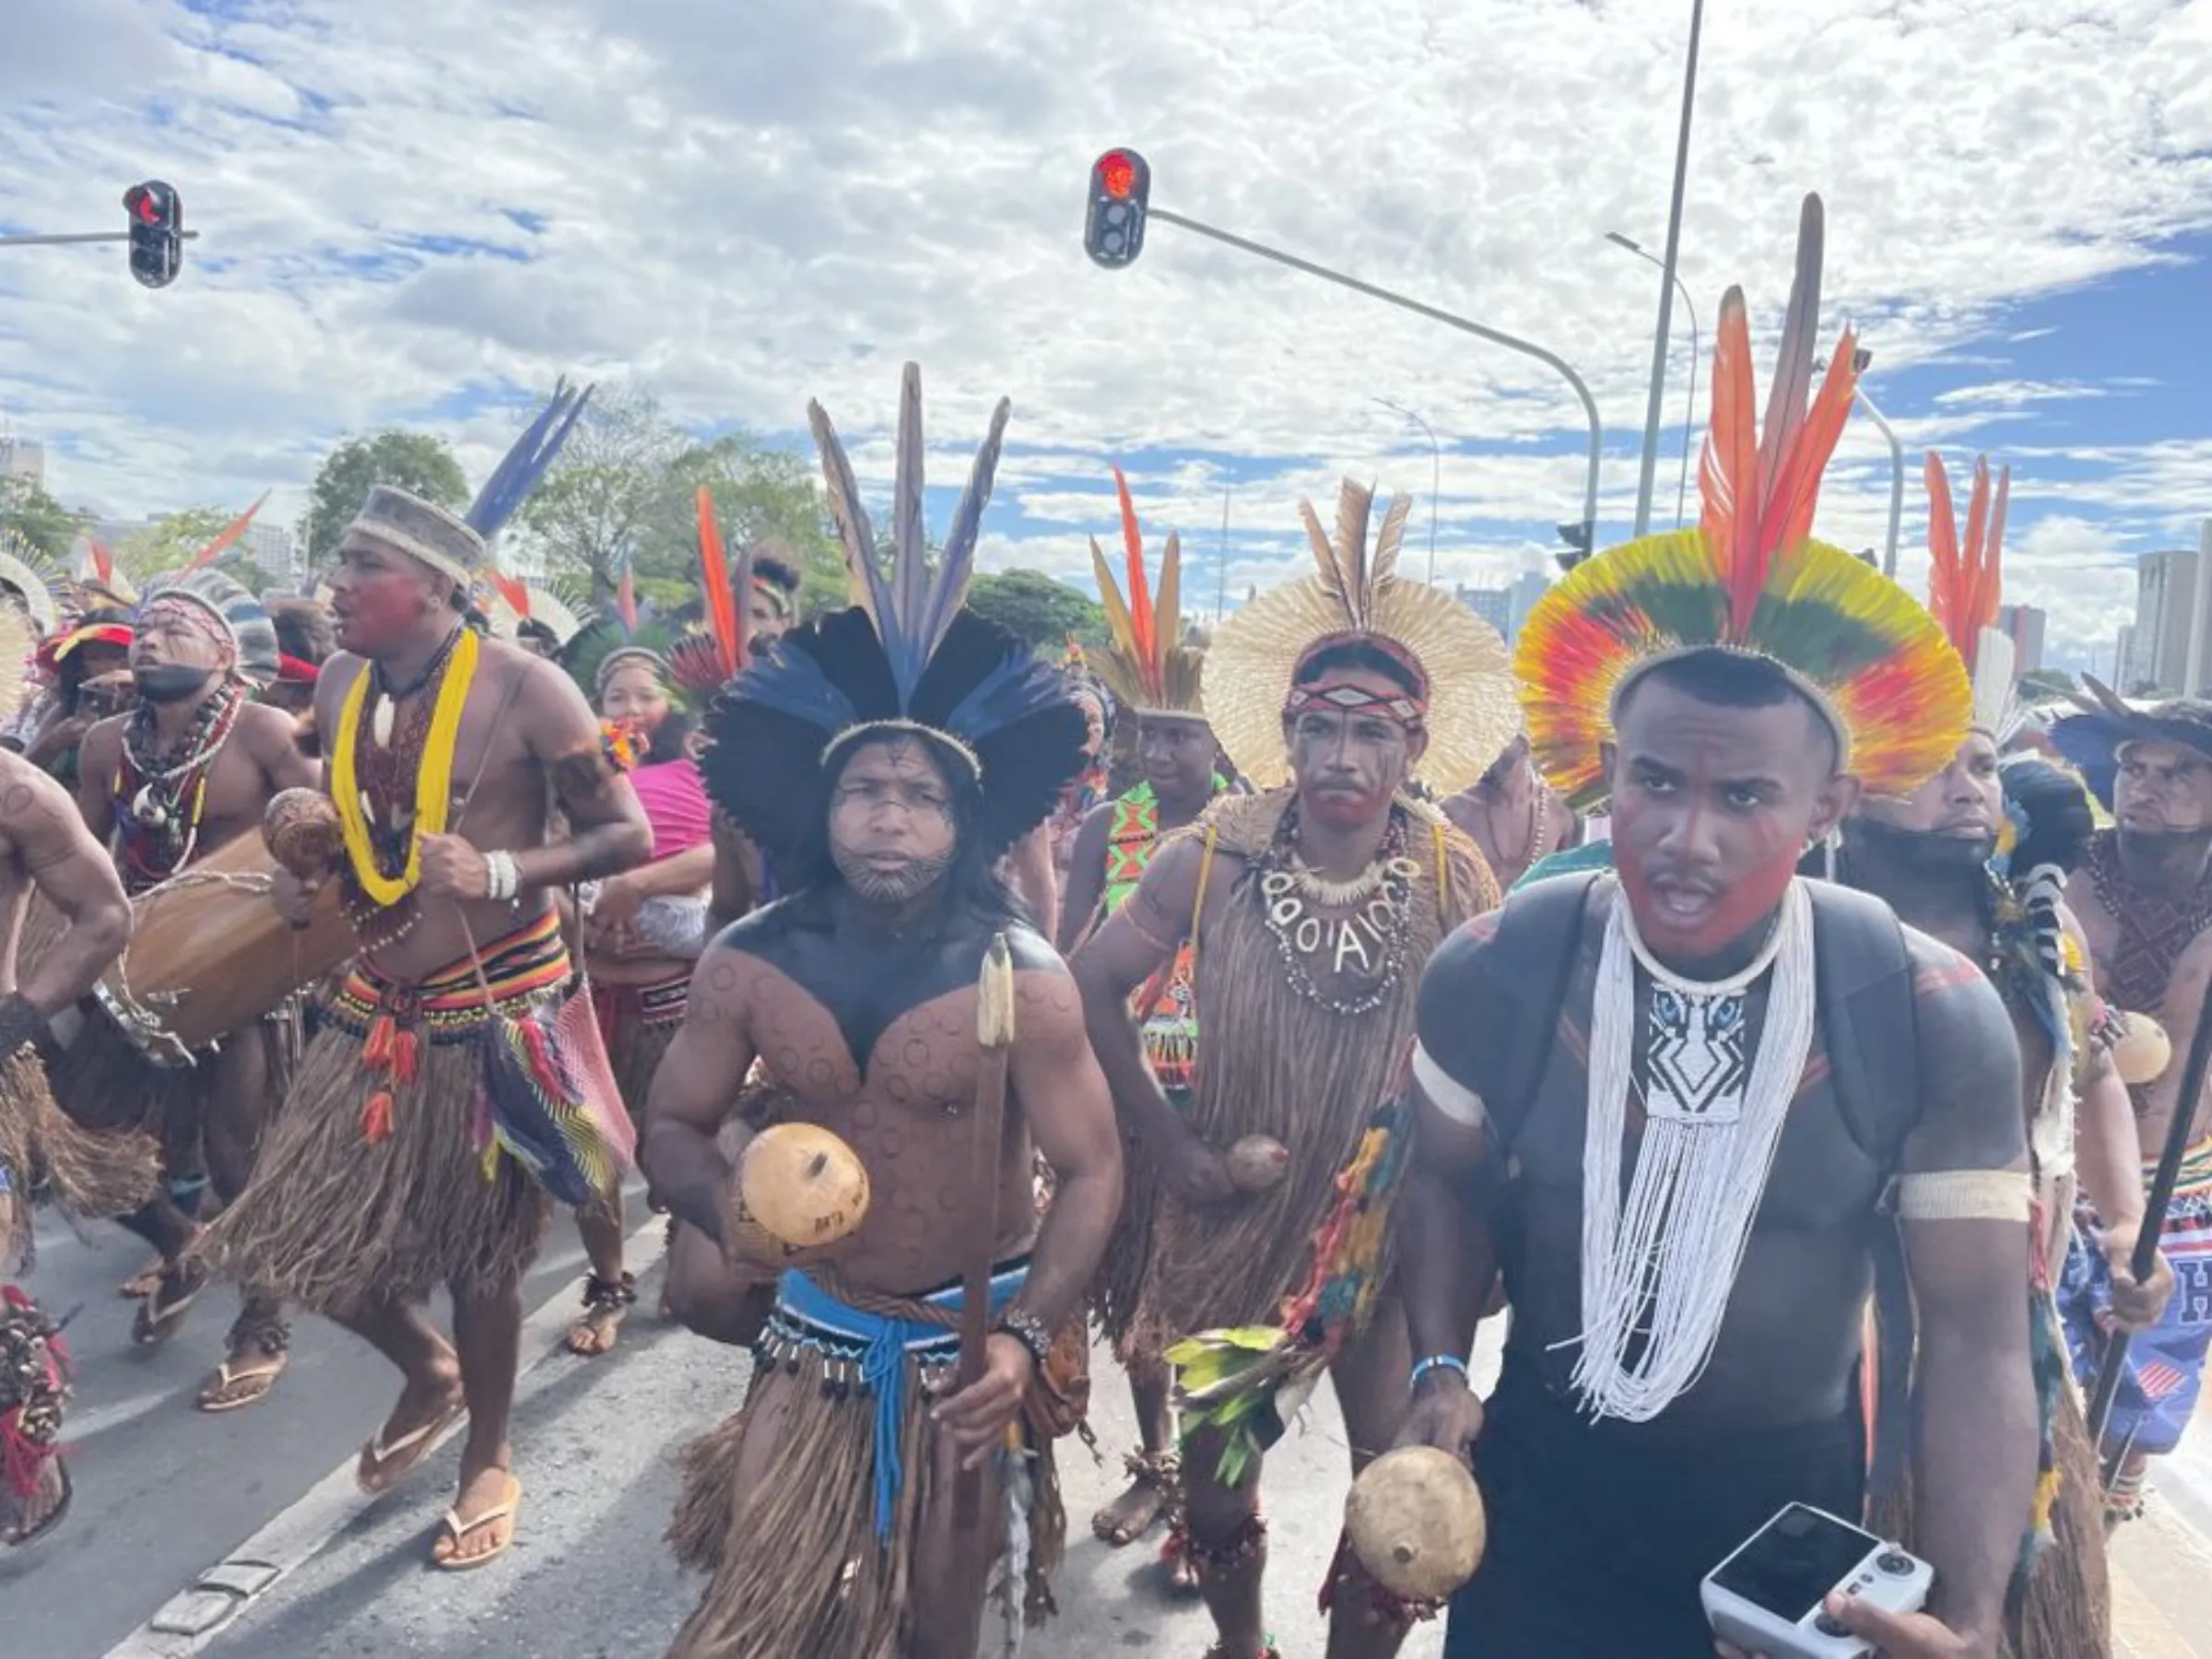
(675, 805)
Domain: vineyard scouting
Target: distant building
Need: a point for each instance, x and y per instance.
(2165, 599)
(2023, 623)
(1494, 605)
(2124, 660)
(272, 548)
(1506, 608)
(22, 458)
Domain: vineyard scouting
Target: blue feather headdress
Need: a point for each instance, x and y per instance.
(519, 471)
(905, 658)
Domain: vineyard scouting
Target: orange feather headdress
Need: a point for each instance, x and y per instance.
(1965, 584)
(1750, 579)
(1149, 665)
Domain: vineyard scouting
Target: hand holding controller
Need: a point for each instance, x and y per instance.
(1808, 1586)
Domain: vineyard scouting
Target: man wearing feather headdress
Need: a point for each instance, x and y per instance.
(886, 758)
(2144, 894)
(450, 1087)
(1307, 908)
(45, 851)
(1672, 1104)
(1151, 668)
(1978, 857)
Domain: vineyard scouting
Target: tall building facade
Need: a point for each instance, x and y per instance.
(1506, 608)
(22, 458)
(2023, 625)
(2166, 594)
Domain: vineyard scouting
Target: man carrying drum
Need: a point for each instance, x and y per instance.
(189, 770)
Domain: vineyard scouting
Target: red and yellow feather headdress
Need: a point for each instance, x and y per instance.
(1751, 579)
(1965, 584)
(1147, 663)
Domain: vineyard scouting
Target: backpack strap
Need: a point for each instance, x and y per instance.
(1539, 936)
(1870, 1026)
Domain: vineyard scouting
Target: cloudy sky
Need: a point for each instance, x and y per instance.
(422, 211)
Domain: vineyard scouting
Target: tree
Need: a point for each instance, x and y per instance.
(609, 490)
(1036, 609)
(169, 540)
(2047, 685)
(414, 461)
(27, 513)
(760, 495)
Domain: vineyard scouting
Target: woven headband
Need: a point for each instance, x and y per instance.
(194, 616)
(1407, 707)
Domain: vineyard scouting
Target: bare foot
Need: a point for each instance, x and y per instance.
(1130, 1516)
(42, 1511)
(427, 1406)
(480, 1525)
(605, 1303)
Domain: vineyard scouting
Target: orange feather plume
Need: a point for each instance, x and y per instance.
(1966, 578)
(231, 533)
(722, 600)
(1144, 623)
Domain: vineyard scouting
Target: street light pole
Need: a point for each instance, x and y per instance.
(1690, 407)
(1436, 475)
(1222, 591)
(1897, 458)
(1666, 290)
(1497, 338)
(80, 236)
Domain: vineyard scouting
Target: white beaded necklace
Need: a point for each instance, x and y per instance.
(1658, 1268)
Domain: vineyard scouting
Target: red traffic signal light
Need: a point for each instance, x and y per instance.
(157, 228)
(1113, 228)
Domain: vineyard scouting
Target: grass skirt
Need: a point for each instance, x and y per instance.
(106, 1084)
(44, 1152)
(333, 1220)
(797, 1567)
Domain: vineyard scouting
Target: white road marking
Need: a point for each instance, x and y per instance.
(294, 1537)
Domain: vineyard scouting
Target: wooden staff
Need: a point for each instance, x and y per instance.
(2144, 1260)
(994, 1036)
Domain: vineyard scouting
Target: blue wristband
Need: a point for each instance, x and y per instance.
(1421, 1367)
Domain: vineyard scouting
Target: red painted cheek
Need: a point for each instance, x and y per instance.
(384, 611)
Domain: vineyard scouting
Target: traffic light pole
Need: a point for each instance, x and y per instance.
(81, 236)
(1558, 364)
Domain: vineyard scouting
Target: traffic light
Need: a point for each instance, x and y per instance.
(157, 224)
(1577, 536)
(1113, 231)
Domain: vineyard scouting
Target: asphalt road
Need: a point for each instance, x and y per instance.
(166, 1494)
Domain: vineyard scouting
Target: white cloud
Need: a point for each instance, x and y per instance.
(751, 204)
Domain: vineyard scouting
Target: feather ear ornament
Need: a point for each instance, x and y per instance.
(1149, 665)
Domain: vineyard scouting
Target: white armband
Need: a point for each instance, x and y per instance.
(1449, 1095)
(1963, 1195)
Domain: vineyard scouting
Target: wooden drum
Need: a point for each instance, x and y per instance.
(209, 953)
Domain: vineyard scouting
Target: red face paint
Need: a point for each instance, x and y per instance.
(376, 611)
(1715, 922)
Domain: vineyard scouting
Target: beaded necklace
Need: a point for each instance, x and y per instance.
(392, 787)
(158, 802)
(1370, 940)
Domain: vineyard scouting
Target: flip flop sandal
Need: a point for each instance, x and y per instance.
(257, 1380)
(141, 1284)
(158, 1321)
(457, 1529)
(54, 1517)
(382, 1455)
(605, 1301)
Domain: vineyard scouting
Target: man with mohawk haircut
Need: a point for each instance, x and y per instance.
(890, 1477)
(1151, 668)
(1306, 910)
(1675, 1106)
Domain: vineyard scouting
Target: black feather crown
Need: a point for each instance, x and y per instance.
(906, 658)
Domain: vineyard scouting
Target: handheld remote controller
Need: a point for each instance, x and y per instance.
(1767, 1596)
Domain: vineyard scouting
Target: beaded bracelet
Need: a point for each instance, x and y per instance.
(1437, 1362)
(1028, 1330)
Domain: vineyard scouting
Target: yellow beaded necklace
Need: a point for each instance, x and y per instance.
(433, 780)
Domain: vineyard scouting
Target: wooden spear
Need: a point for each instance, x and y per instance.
(2144, 1260)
